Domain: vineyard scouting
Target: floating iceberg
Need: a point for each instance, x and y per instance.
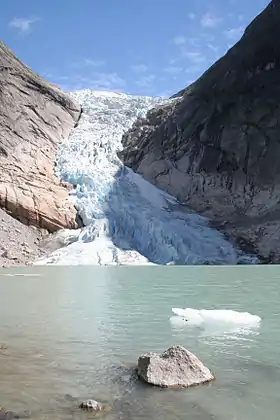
(217, 316)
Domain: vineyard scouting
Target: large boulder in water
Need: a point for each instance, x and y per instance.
(175, 368)
(34, 117)
(216, 146)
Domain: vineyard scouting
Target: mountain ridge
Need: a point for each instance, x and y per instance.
(216, 147)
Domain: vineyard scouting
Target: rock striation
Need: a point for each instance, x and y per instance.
(34, 117)
(216, 145)
(175, 368)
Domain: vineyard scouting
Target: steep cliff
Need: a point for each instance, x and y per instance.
(217, 146)
(34, 117)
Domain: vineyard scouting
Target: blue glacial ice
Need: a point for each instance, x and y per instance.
(127, 220)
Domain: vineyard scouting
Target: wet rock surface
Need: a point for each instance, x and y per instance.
(91, 405)
(94, 406)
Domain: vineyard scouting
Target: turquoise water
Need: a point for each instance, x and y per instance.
(74, 333)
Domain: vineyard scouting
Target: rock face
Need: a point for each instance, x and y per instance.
(216, 146)
(34, 117)
(175, 368)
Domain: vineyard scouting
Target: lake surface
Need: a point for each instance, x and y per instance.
(70, 334)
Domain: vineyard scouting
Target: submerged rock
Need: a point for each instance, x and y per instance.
(91, 405)
(94, 406)
(175, 368)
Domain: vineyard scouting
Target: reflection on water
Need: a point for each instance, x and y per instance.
(76, 333)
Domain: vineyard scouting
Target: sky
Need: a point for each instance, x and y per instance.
(142, 47)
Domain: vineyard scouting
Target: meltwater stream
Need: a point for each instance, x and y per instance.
(128, 221)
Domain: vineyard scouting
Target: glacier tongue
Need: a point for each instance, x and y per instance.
(128, 220)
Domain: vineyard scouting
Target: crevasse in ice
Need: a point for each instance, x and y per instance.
(128, 220)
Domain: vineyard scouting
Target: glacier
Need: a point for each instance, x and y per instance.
(127, 220)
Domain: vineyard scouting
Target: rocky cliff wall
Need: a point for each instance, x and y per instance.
(217, 146)
(34, 117)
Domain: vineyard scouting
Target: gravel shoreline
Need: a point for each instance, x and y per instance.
(20, 245)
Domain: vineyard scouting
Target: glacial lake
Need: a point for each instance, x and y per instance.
(73, 333)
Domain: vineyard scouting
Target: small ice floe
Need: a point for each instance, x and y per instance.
(216, 316)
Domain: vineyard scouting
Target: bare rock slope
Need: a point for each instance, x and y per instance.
(217, 146)
(34, 117)
(20, 244)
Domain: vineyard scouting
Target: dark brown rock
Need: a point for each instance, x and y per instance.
(175, 368)
(216, 146)
(34, 117)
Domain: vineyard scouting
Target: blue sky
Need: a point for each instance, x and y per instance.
(150, 47)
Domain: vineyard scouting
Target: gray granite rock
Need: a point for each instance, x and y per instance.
(175, 368)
